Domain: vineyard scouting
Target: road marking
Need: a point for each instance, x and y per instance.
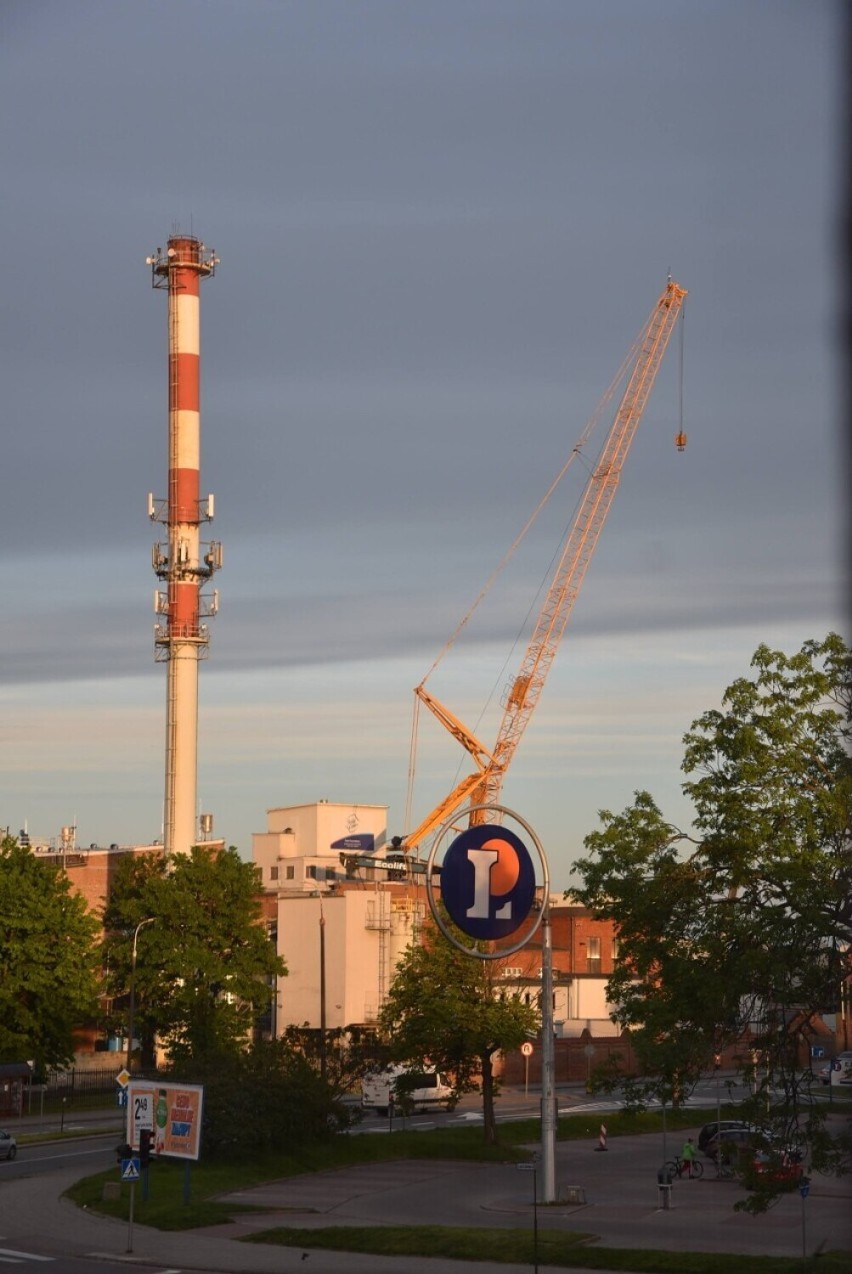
(11, 1256)
(72, 1154)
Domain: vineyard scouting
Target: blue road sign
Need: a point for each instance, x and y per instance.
(130, 1169)
(121, 1097)
(488, 881)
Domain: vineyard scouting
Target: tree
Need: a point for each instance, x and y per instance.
(444, 1009)
(205, 964)
(340, 1056)
(48, 957)
(263, 1099)
(747, 933)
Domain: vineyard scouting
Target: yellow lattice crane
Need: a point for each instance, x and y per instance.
(484, 785)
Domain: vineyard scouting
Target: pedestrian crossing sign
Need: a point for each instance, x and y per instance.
(130, 1169)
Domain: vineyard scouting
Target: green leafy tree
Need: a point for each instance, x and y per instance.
(48, 958)
(263, 1099)
(447, 1009)
(205, 963)
(741, 930)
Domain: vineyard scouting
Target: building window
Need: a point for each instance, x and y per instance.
(291, 873)
(273, 873)
(593, 953)
(312, 872)
(615, 950)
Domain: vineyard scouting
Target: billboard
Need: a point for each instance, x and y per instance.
(171, 1111)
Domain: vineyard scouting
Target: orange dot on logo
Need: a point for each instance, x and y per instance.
(507, 869)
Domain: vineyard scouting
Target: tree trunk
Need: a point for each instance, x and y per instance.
(488, 1120)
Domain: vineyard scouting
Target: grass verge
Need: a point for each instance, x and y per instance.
(561, 1249)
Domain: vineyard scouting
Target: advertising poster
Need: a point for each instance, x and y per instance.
(171, 1111)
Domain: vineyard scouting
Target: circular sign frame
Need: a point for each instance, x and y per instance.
(502, 812)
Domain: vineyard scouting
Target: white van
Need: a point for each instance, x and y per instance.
(379, 1087)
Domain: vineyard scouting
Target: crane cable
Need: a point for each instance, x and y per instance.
(576, 451)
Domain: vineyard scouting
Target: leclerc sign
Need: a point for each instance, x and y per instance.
(488, 882)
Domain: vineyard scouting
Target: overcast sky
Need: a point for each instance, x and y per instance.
(440, 226)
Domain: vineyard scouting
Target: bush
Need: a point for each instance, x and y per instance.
(268, 1098)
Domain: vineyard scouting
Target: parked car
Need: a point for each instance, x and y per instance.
(786, 1166)
(8, 1145)
(709, 1131)
(730, 1142)
(845, 1068)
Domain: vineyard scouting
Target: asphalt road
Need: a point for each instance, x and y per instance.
(89, 1154)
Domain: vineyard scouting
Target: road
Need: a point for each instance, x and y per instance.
(29, 1262)
(90, 1154)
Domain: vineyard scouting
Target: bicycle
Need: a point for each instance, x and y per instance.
(679, 1168)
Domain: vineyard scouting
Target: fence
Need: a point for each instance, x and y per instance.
(67, 1091)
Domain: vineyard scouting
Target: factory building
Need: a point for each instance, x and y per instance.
(306, 848)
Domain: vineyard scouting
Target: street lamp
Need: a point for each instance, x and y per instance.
(149, 921)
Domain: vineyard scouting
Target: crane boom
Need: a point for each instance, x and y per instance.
(580, 542)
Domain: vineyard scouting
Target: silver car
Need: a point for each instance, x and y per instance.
(843, 1064)
(8, 1145)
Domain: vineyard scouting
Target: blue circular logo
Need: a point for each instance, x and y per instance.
(488, 882)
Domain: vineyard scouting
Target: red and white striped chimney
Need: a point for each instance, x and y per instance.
(184, 563)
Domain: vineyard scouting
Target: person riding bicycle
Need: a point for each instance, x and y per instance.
(688, 1155)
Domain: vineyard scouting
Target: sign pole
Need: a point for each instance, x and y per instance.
(492, 909)
(130, 1220)
(526, 1052)
(548, 1087)
(535, 1219)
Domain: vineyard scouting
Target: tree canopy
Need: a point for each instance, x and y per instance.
(205, 963)
(740, 929)
(446, 1008)
(48, 958)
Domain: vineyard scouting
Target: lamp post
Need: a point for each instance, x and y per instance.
(322, 1055)
(149, 921)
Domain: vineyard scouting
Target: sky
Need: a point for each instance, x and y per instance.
(441, 225)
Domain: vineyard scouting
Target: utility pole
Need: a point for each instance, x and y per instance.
(322, 995)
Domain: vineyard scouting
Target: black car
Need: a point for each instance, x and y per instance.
(709, 1131)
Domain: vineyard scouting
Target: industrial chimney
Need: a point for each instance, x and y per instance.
(184, 562)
